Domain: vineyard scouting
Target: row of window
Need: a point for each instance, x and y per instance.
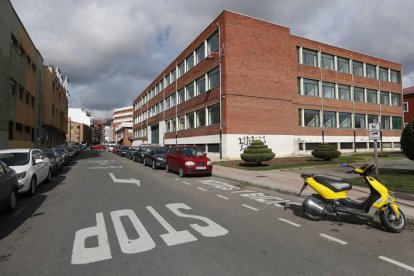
(207, 46)
(350, 145)
(204, 83)
(333, 119)
(20, 129)
(200, 118)
(23, 94)
(315, 88)
(19, 48)
(345, 65)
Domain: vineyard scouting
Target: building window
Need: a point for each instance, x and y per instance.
(27, 129)
(328, 61)
(383, 74)
(311, 118)
(372, 119)
(201, 85)
(167, 103)
(385, 98)
(213, 147)
(311, 88)
(345, 120)
(19, 127)
(213, 43)
(13, 87)
(173, 75)
(359, 121)
(328, 90)
(174, 124)
(201, 117)
(329, 119)
(173, 100)
(214, 114)
(405, 106)
(190, 120)
(11, 128)
(181, 69)
(343, 65)
(310, 57)
(385, 122)
(181, 122)
(357, 68)
(213, 79)
(395, 76)
(200, 53)
(13, 41)
(396, 123)
(344, 92)
(395, 99)
(190, 90)
(190, 62)
(372, 96)
(359, 94)
(181, 95)
(371, 71)
(21, 92)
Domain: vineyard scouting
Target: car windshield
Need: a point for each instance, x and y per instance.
(160, 151)
(15, 158)
(49, 154)
(191, 152)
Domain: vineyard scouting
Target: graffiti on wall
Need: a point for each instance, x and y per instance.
(245, 141)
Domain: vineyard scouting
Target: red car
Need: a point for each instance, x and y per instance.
(188, 160)
(98, 147)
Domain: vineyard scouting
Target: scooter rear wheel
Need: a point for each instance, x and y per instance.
(391, 221)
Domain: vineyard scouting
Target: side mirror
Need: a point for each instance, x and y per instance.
(39, 161)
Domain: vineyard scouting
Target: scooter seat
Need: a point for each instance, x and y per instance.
(333, 184)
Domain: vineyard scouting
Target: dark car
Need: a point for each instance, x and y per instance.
(64, 154)
(56, 161)
(123, 151)
(155, 157)
(140, 153)
(188, 160)
(131, 153)
(8, 187)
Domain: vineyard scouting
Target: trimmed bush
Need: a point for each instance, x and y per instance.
(407, 141)
(325, 152)
(257, 152)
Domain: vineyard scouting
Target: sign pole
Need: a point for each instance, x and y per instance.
(374, 133)
(376, 158)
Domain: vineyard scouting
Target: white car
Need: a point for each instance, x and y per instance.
(31, 165)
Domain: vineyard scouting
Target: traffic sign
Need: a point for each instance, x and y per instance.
(374, 131)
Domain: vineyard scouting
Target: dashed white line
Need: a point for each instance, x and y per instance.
(243, 191)
(396, 263)
(289, 222)
(250, 207)
(333, 239)
(223, 197)
(186, 183)
(202, 189)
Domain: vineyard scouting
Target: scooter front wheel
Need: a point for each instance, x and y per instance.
(391, 221)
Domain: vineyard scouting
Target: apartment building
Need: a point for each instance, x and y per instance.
(408, 104)
(122, 125)
(54, 107)
(80, 123)
(243, 78)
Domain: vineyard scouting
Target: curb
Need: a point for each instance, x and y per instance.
(410, 219)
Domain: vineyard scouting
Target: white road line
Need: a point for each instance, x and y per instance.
(18, 212)
(202, 189)
(396, 263)
(252, 208)
(289, 222)
(186, 183)
(244, 191)
(226, 198)
(333, 239)
(176, 179)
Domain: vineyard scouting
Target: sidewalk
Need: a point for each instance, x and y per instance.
(290, 182)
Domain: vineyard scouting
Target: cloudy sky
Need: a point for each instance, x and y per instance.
(112, 49)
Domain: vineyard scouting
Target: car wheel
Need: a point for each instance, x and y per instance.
(32, 190)
(153, 165)
(13, 201)
(49, 176)
(181, 172)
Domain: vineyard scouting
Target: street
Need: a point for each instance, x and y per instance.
(107, 215)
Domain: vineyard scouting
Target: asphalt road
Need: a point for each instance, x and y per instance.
(106, 215)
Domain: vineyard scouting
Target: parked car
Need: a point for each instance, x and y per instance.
(139, 154)
(31, 165)
(188, 160)
(8, 187)
(56, 161)
(64, 154)
(98, 147)
(155, 157)
(131, 153)
(123, 151)
(110, 147)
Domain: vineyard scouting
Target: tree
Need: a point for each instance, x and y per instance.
(326, 152)
(257, 152)
(407, 141)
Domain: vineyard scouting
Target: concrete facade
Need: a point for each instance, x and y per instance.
(245, 79)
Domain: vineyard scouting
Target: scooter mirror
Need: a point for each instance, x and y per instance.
(344, 164)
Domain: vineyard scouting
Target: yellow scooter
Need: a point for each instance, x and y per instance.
(331, 198)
